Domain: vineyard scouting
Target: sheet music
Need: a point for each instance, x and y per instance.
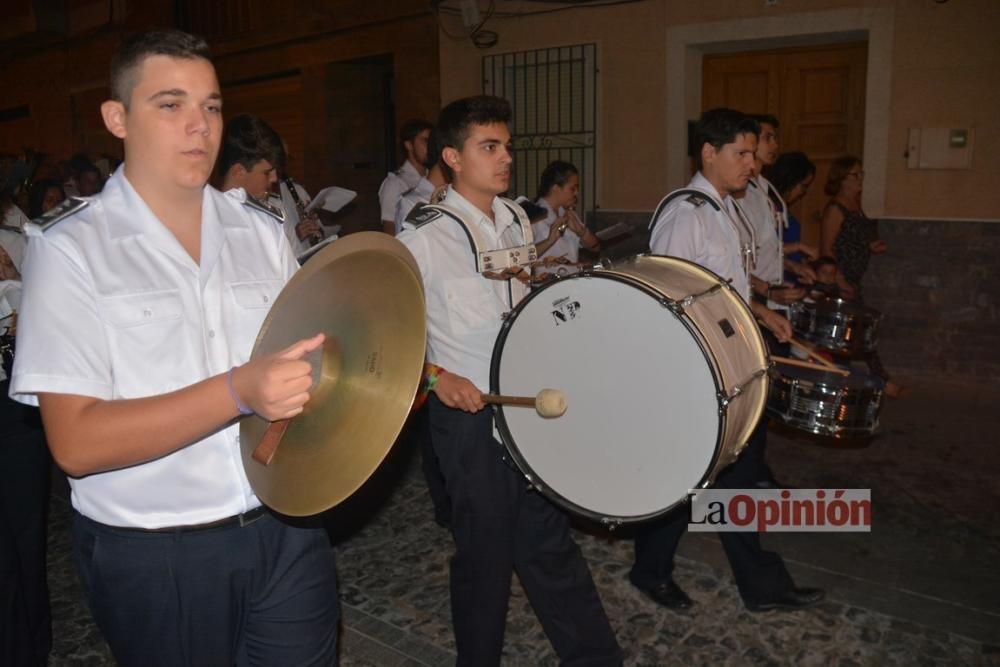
(331, 199)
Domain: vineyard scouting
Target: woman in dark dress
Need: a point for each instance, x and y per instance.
(851, 237)
(846, 233)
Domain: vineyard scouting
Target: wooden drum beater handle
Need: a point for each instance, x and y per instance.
(548, 403)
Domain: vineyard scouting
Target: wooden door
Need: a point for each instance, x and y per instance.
(818, 96)
(359, 136)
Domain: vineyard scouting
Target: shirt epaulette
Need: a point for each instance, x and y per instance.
(264, 207)
(694, 197)
(56, 215)
(421, 214)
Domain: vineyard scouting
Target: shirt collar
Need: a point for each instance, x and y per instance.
(501, 214)
(409, 173)
(127, 213)
(699, 182)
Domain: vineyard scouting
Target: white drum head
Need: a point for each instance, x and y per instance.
(642, 424)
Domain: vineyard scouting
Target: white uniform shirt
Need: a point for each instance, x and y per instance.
(115, 308)
(701, 234)
(568, 245)
(10, 240)
(464, 310)
(392, 188)
(292, 216)
(767, 222)
(418, 194)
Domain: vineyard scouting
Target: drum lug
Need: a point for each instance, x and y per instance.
(691, 298)
(674, 306)
(725, 400)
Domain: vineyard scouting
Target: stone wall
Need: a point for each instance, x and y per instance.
(938, 288)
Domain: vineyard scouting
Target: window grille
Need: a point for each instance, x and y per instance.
(553, 96)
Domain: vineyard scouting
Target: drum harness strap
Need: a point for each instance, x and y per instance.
(489, 261)
(748, 252)
(779, 210)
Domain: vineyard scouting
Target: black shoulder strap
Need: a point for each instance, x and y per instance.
(696, 197)
(440, 210)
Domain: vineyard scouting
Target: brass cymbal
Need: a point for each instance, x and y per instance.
(365, 293)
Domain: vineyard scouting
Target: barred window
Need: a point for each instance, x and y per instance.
(552, 93)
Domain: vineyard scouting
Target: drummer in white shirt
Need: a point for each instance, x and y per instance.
(140, 310)
(768, 212)
(500, 525)
(561, 230)
(700, 224)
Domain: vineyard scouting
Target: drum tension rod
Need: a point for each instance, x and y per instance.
(691, 298)
(725, 400)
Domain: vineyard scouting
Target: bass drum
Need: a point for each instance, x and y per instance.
(664, 373)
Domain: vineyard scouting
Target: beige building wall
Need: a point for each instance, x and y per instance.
(930, 65)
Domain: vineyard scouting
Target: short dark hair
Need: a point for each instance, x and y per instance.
(411, 129)
(762, 118)
(718, 127)
(455, 119)
(134, 51)
(839, 169)
(556, 173)
(789, 170)
(247, 140)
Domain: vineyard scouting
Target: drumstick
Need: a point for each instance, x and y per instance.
(812, 354)
(808, 364)
(548, 403)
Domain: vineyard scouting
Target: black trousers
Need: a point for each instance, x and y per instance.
(760, 575)
(263, 594)
(418, 433)
(25, 469)
(500, 526)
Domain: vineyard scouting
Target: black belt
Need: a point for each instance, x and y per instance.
(240, 520)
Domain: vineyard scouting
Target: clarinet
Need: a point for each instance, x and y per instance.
(299, 207)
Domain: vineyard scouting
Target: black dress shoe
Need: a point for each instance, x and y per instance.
(790, 600)
(669, 595)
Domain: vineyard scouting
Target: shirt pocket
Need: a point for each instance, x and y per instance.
(146, 340)
(470, 304)
(249, 303)
(255, 294)
(141, 309)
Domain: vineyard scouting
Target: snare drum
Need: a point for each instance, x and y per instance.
(836, 325)
(826, 403)
(663, 369)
